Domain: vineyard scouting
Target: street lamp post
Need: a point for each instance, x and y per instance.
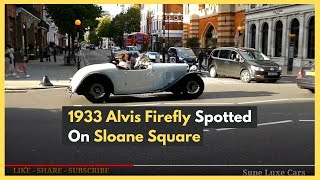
(78, 23)
(164, 35)
(239, 28)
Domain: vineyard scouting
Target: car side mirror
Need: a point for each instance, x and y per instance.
(241, 60)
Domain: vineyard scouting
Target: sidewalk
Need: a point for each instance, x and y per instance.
(58, 73)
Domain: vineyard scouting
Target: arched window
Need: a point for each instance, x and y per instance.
(295, 30)
(253, 37)
(265, 28)
(278, 40)
(311, 39)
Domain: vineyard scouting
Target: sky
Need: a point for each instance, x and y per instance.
(114, 9)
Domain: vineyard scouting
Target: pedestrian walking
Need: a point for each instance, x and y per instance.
(21, 66)
(9, 62)
(48, 54)
(200, 60)
(11, 52)
(55, 53)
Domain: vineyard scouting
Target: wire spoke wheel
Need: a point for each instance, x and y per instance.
(97, 90)
(193, 87)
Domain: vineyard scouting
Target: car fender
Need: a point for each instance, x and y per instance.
(177, 83)
(94, 75)
(213, 63)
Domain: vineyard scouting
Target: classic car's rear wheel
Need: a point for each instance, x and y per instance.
(193, 87)
(97, 92)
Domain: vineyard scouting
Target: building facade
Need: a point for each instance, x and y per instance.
(270, 25)
(25, 28)
(213, 24)
(163, 23)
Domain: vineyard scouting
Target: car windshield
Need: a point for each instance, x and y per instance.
(133, 48)
(185, 52)
(254, 55)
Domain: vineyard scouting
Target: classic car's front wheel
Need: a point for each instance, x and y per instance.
(97, 92)
(193, 87)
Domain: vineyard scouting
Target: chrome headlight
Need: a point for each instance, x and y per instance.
(193, 68)
(257, 68)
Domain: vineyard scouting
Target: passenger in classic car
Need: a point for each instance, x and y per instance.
(131, 60)
(122, 62)
(141, 61)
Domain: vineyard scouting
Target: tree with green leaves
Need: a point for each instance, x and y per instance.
(192, 42)
(125, 23)
(64, 16)
(103, 27)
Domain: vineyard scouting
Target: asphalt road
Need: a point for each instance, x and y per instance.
(285, 133)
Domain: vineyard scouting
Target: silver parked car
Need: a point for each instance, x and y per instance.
(97, 82)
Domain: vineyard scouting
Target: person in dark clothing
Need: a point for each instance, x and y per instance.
(55, 53)
(200, 60)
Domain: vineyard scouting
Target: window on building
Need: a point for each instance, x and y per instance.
(311, 39)
(295, 30)
(278, 40)
(253, 36)
(264, 42)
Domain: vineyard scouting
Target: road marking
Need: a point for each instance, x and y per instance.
(302, 99)
(153, 104)
(306, 120)
(262, 124)
(225, 129)
(206, 130)
(271, 100)
(276, 122)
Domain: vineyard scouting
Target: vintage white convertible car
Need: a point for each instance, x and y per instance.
(97, 82)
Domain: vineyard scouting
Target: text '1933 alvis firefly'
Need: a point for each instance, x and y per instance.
(97, 82)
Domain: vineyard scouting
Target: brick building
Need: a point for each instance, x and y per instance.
(214, 25)
(25, 28)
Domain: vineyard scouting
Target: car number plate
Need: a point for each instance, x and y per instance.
(272, 74)
(310, 73)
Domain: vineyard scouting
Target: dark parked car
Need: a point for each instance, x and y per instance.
(305, 79)
(92, 47)
(246, 63)
(182, 55)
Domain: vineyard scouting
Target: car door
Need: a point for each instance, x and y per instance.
(222, 62)
(233, 67)
(139, 80)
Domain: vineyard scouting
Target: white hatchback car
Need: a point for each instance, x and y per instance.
(97, 82)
